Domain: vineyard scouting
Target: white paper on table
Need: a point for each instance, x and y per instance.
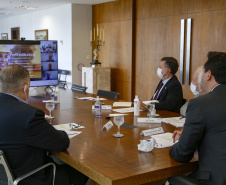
(163, 140)
(149, 120)
(86, 98)
(91, 98)
(67, 129)
(175, 121)
(108, 125)
(124, 110)
(122, 104)
(151, 132)
(50, 101)
(150, 101)
(112, 115)
(94, 99)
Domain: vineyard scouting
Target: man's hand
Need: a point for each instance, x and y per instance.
(176, 135)
(143, 106)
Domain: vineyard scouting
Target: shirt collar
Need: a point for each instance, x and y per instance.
(215, 87)
(19, 99)
(165, 81)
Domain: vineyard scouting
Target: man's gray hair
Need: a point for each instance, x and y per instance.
(12, 78)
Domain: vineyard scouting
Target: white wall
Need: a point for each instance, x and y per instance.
(81, 48)
(69, 24)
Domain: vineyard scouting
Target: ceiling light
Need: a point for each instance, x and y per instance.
(22, 6)
(31, 8)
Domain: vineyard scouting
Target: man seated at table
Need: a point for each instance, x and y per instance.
(195, 87)
(169, 91)
(25, 135)
(205, 126)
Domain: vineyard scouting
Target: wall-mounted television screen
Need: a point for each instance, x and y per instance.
(40, 58)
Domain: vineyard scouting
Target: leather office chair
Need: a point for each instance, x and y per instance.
(78, 88)
(109, 94)
(184, 101)
(62, 76)
(182, 180)
(10, 177)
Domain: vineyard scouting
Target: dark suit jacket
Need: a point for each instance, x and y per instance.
(205, 130)
(25, 136)
(171, 96)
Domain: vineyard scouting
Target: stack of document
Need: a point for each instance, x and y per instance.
(122, 104)
(90, 98)
(149, 120)
(175, 121)
(150, 101)
(124, 110)
(163, 140)
(67, 128)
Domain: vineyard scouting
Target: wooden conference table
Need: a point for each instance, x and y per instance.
(105, 159)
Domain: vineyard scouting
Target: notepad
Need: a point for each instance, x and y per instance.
(150, 101)
(151, 132)
(122, 104)
(163, 140)
(149, 120)
(175, 121)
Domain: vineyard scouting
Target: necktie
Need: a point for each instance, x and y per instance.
(157, 92)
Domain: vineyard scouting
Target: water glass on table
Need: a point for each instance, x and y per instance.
(50, 106)
(118, 120)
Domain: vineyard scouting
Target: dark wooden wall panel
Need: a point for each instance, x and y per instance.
(116, 19)
(162, 20)
(157, 35)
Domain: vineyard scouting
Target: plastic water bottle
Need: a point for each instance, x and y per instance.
(52, 96)
(57, 95)
(136, 106)
(98, 108)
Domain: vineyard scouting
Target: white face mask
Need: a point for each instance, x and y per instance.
(193, 89)
(159, 73)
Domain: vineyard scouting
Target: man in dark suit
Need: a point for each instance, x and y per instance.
(205, 126)
(169, 91)
(25, 135)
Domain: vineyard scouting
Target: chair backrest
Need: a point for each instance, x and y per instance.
(7, 169)
(62, 75)
(184, 101)
(9, 174)
(78, 88)
(109, 94)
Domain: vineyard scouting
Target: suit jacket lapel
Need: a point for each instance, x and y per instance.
(165, 87)
(156, 89)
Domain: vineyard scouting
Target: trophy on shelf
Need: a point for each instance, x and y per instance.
(97, 40)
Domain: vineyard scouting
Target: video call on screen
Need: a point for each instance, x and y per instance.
(40, 58)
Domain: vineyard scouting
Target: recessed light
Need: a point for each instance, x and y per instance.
(22, 6)
(31, 8)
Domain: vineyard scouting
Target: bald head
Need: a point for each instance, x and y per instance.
(196, 80)
(13, 78)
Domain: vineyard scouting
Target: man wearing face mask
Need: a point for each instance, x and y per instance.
(195, 87)
(205, 126)
(169, 91)
(25, 134)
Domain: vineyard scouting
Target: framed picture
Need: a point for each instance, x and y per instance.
(4, 36)
(41, 34)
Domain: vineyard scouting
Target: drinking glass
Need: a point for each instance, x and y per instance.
(50, 106)
(149, 107)
(118, 120)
